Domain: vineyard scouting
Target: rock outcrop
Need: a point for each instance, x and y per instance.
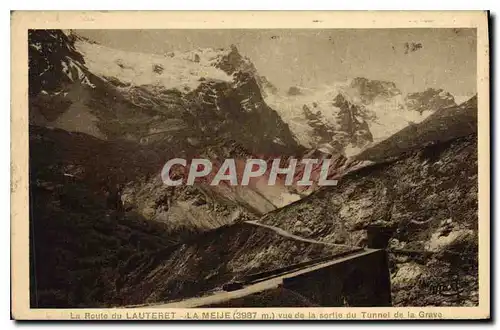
(429, 100)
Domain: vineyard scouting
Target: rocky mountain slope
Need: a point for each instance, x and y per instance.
(95, 125)
(79, 236)
(187, 98)
(205, 263)
(179, 105)
(101, 117)
(426, 199)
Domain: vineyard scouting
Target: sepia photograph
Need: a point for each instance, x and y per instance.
(202, 172)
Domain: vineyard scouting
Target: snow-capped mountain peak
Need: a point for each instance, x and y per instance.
(348, 116)
(183, 71)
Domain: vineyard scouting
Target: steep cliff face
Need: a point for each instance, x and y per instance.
(238, 112)
(54, 62)
(370, 91)
(322, 133)
(349, 128)
(233, 62)
(353, 128)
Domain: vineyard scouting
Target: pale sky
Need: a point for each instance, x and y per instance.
(309, 58)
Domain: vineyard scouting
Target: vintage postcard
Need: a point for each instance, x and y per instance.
(250, 165)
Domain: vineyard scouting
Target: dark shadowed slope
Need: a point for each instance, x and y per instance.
(79, 240)
(206, 262)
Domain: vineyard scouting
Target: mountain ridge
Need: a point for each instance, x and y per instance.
(104, 120)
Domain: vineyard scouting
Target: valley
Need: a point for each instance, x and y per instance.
(104, 121)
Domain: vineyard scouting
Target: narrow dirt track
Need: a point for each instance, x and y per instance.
(290, 235)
